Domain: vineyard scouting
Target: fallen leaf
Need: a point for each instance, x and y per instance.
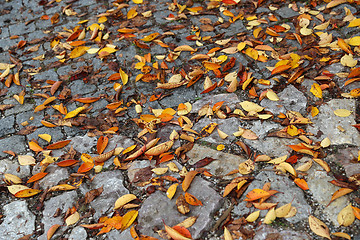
(128, 219)
(318, 227)
(346, 216)
(192, 200)
(171, 190)
(52, 230)
(72, 219)
(188, 179)
(342, 112)
(27, 193)
(253, 216)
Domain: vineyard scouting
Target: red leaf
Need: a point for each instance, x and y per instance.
(58, 145)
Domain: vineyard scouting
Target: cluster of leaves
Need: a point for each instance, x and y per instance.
(217, 70)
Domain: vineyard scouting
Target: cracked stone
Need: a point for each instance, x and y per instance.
(152, 214)
(288, 192)
(113, 188)
(18, 221)
(223, 164)
(333, 123)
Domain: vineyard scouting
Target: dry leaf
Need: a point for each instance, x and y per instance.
(346, 216)
(318, 227)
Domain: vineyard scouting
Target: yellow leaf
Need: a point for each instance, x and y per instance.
(292, 130)
(270, 94)
(13, 189)
(171, 190)
(316, 90)
(283, 210)
(124, 76)
(348, 61)
(121, 201)
(325, 142)
(253, 53)
(241, 46)
(78, 51)
(150, 37)
(132, 13)
(342, 112)
(72, 219)
(220, 147)
(137, 1)
(253, 216)
(160, 171)
(346, 216)
(354, 23)
(26, 160)
(250, 106)
(318, 227)
(102, 19)
(270, 216)
(12, 179)
(128, 219)
(314, 111)
(74, 112)
(106, 49)
(92, 50)
(45, 136)
(227, 234)
(355, 41)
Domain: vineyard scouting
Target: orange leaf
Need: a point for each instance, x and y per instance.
(188, 179)
(67, 163)
(356, 212)
(166, 158)
(211, 66)
(280, 69)
(27, 193)
(102, 144)
(183, 231)
(192, 200)
(85, 167)
(77, 43)
(256, 194)
(175, 234)
(354, 73)
(339, 193)
(344, 46)
(35, 147)
(58, 145)
(301, 183)
(52, 230)
(114, 77)
(87, 99)
(37, 177)
(47, 124)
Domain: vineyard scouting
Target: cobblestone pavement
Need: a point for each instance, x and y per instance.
(225, 86)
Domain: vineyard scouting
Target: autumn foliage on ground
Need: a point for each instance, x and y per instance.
(209, 68)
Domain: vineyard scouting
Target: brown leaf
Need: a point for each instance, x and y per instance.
(92, 194)
(103, 157)
(182, 205)
(203, 162)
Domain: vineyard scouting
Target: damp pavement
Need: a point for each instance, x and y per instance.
(29, 32)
